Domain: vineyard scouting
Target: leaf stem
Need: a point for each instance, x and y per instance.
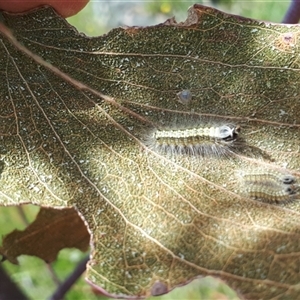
(9, 289)
(67, 284)
(292, 15)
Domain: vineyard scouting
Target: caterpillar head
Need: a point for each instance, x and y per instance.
(229, 132)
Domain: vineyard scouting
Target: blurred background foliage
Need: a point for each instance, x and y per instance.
(98, 17)
(39, 280)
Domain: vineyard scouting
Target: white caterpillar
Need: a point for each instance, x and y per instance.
(200, 140)
(272, 194)
(271, 187)
(265, 177)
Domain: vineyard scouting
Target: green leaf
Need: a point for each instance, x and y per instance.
(76, 117)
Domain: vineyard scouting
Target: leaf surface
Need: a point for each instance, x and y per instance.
(75, 115)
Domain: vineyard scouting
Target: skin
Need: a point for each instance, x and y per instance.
(65, 8)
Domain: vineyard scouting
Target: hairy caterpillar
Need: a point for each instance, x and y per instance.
(271, 187)
(263, 178)
(200, 139)
(274, 194)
